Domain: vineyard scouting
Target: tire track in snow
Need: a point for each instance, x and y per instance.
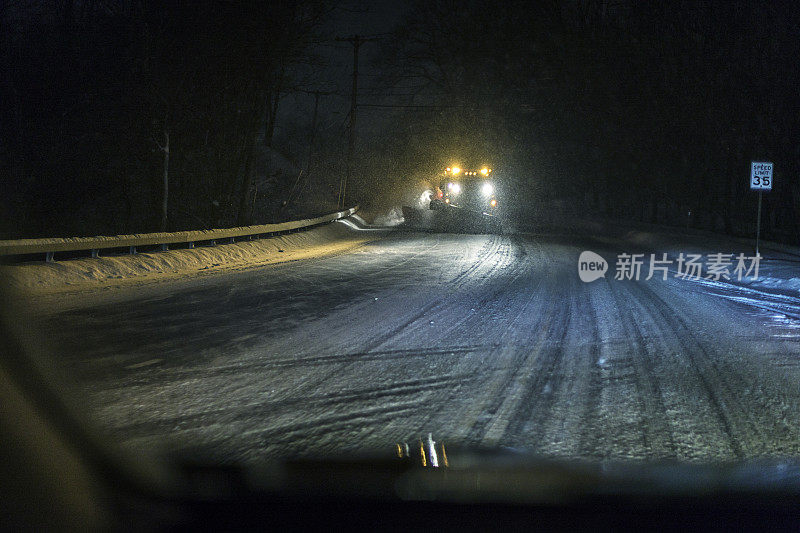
(656, 432)
(589, 436)
(535, 400)
(242, 413)
(488, 428)
(746, 433)
(489, 423)
(484, 255)
(156, 376)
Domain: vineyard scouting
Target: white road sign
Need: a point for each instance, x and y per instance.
(761, 176)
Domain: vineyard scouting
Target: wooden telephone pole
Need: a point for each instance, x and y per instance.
(356, 41)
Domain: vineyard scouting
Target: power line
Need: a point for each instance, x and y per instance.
(423, 106)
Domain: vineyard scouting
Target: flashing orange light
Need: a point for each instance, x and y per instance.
(440, 194)
(493, 202)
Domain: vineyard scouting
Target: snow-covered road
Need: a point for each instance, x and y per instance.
(479, 339)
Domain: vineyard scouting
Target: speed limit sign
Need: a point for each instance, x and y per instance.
(761, 176)
(760, 180)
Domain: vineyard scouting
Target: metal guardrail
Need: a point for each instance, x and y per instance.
(49, 246)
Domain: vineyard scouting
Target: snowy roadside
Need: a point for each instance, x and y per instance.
(775, 288)
(105, 272)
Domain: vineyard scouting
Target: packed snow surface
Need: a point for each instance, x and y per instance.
(486, 340)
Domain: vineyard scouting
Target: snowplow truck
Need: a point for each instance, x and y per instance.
(466, 201)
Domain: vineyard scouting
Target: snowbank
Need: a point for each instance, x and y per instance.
(110, 271)
(393, 218)
(778, 268)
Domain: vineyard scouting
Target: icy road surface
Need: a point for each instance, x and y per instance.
(479, 339)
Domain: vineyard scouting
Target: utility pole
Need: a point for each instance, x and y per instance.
(356, 41)
(313, 135)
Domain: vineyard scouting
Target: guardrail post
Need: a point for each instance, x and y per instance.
(94, 253)
(191, 244)
(132, 250)
(48, 257)
(233, 240)
(165, 247)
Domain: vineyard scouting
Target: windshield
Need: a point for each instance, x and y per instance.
(326, 228)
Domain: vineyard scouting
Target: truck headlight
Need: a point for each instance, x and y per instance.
(487, 189)
(454, 188)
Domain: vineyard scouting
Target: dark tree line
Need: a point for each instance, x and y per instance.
(140, 115)
(646, 110)
(136, 115)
